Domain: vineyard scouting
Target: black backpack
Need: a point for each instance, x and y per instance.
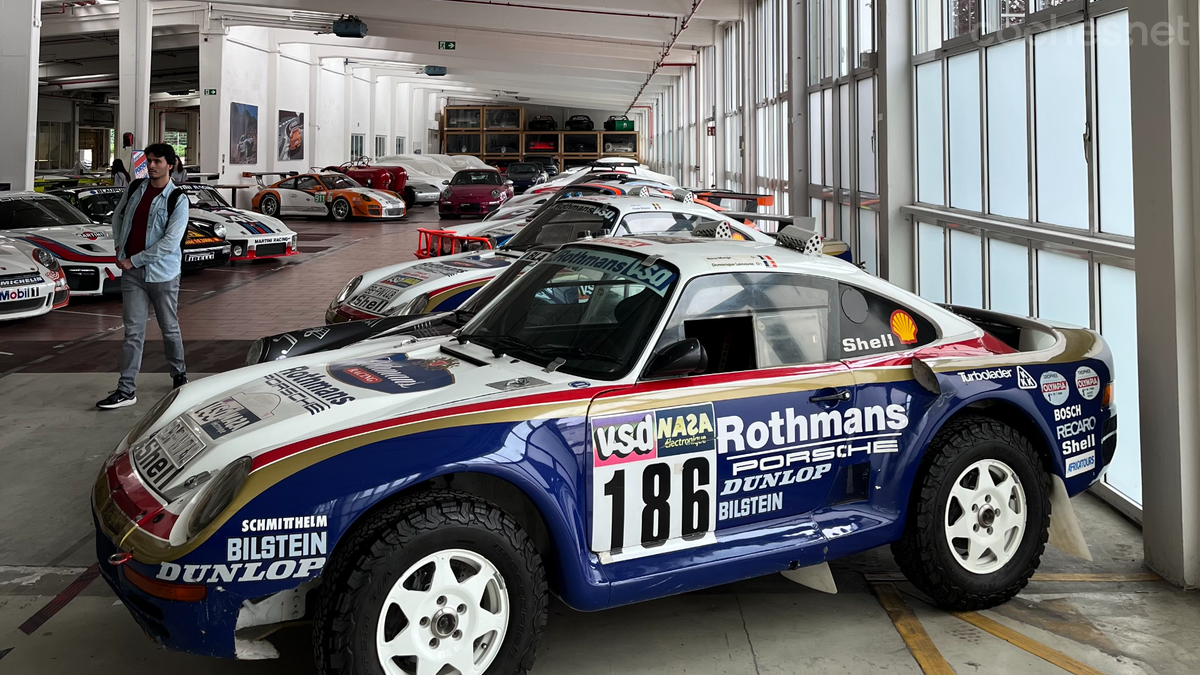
(172, 201)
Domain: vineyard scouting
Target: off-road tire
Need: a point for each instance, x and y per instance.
(923, 553)
(388, 541)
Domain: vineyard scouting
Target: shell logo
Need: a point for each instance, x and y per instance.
(904, 327)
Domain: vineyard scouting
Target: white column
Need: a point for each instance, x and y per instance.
(213, 146)
(369, 141)
(20, 47)
(136, 32)
(271, 114)
(1166, 152)
(894, 143)
(348, 125)
(312, 122)
(718, 105)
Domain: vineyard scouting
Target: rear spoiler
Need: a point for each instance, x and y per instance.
(717, 197)
(258, 175)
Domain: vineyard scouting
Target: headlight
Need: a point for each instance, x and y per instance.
(219, 230)
(341, 297)
(367, 198)
(254, 355)
(415, 306)
(45, 259)
(446, 193)
(295, 241)
(151, 417)
(495, 194)
(218, 494)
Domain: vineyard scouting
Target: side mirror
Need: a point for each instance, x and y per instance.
(446, 182)
(686, 357)
(508, 182)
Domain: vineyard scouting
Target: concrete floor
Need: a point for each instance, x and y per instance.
(53, 443)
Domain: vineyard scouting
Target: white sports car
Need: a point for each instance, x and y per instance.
(444, 283)
(31, 281)
(251, 236)
(84, 249)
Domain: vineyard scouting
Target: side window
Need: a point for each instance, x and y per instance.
(749, 320)
(306, 183)
(289, 184)
(873, 324)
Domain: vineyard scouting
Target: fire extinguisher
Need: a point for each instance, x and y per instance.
(127, 140)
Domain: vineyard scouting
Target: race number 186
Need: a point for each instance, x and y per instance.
(652, 493)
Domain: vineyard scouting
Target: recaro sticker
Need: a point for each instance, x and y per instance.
(1087, 381)
(1055, 388)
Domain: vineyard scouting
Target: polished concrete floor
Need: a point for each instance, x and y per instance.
(1107, 616)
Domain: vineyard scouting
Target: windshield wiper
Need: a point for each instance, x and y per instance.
(501, 342)
(580, 353)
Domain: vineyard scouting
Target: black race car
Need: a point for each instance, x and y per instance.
(204, 244)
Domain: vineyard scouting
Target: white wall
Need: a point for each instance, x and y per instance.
(332, 140)
(292, 93)
(403, 116)
(244, 80)
(360, 111)
(385, 99)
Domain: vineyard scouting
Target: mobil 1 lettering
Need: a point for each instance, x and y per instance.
(669, 478)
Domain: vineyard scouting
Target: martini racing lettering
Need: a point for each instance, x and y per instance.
(308, 389)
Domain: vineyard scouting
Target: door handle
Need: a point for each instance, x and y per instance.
(836, 397)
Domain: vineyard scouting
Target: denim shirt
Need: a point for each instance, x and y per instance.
(162, 257)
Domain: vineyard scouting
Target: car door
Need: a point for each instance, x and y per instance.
(309, 196)
(758, 436)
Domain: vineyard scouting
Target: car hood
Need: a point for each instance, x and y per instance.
(475, 191)
(513, 220)
(15, 257)
(274, 410)
(395, 285)
(86, 240)
(385, 198)
(239, 221)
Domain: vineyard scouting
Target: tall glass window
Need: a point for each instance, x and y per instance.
(1008, 132)
(1061, 116)
(931, 262)
(966, 157)
(930, 148)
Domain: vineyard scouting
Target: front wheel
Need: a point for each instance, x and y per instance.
(340, 209)
(980, 516)
(446, 584)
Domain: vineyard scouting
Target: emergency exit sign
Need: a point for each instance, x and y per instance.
(210, 92)
(447, 44)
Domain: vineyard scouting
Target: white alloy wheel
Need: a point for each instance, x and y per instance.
(447, 613)
(985, 516)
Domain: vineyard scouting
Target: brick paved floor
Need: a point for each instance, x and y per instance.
(222, 309)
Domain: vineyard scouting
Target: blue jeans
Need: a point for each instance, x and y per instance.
(138, 296)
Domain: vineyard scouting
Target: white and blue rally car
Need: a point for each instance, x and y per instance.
(631, 418)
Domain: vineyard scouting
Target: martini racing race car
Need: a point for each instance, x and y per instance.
(444, 283)
(251, 236)
(633, 418)
(84, 249)
(31, 281)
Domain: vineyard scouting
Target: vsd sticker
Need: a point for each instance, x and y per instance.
(395, 373)
(1055, 387)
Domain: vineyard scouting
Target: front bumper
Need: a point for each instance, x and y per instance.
(207, 256)
(92, 279)
(250, 249)
(469, 208)
(25, 308)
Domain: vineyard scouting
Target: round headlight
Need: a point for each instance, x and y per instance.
(414, 306)
(218, 494)
(45, 259)
(446, 193)
(238, 251)
(151, 417)
(495, 194)
(219, 230)
(255, 354)
(341, 297)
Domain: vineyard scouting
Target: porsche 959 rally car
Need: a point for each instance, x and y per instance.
(633, 418)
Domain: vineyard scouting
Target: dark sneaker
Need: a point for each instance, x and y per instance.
(117, 399)
(179, 380)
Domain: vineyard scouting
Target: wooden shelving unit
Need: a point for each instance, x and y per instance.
(497, 135)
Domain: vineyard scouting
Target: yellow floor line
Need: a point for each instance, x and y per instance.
(1027, 643)
(911, 631)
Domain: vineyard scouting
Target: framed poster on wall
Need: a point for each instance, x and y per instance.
(291, 135)
(243, 133)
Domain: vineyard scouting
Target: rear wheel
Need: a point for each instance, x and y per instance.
(340, 209)
(980, 516)
(269, 205)
(442, 583)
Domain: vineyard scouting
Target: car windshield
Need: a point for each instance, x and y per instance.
(205, 198)
(21, 213)
(588, 309)
(524, 168)
(476, 178)
(336, 181)
(100, 206)
(564, 222)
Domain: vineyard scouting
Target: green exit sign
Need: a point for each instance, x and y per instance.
(447, 44)
(210, 92)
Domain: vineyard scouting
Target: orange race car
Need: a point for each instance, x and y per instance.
(327, 194)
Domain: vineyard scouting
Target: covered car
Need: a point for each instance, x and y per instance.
(328, 194)
(634, 418)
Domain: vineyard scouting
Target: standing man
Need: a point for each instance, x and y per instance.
(148, 228)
